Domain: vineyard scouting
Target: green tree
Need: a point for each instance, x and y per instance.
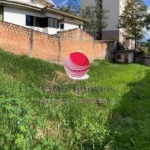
(97, 18)
(145, 47)
(147, 21)
(70, 7)
(132, 18)
(95, 15)
(147, 44)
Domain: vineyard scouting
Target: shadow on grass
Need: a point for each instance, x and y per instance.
(129, 123)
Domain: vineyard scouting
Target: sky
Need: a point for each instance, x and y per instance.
(63, 2)
(147, 36)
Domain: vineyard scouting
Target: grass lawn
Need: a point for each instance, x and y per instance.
(29, 121)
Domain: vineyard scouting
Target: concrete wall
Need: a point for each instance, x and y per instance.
(69, 26)
(85, 3)
(109, 34)
(131, 57)
(122, 60)
(22, 41)
(115, 8)
(147, 61)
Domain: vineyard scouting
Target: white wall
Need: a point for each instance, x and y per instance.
(130, 57)
(69, 26)
(52, 15)
(18, 16)
(53, 30)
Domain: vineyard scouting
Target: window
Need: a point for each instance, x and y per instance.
(42, 22)
(50, 22)
(53, 22)
(118, 56)
(45, 22)
(31, 1)
(29, 20)
(1, 13)
(62, 26)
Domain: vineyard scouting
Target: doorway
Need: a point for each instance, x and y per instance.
(126, 58)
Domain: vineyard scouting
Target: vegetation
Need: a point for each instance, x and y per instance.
(147, 21)
(27, 122)
(132, 18)
(145, 46)
(72, 7)
(95, 15)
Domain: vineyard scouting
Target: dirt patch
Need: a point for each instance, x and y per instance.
(50, 130)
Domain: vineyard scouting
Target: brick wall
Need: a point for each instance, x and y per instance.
(23, 41)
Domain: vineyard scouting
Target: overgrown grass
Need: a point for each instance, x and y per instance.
(29, 122)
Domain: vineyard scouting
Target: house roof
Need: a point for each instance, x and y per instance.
(49, 4)
(48, 8)
(123, 51)
(19, 4)
(70, 20)
(56, 11)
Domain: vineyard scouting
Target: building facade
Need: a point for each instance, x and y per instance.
(39, 15)
(115, 8)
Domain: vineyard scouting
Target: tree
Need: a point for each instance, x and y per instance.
(147, 21)
(70, 7)
(97, 18)
(132, 19)
(95, 15)
(145, 46)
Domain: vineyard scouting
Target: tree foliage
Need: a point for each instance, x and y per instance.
(147, 22)
(132, 18)
(95, 15)
(71, 7)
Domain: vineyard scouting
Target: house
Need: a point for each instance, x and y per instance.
(128, 56)
(39, 15)
(115, 8)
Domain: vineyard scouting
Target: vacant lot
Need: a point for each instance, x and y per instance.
(42, 109)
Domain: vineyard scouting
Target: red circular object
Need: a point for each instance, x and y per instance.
(79, 59)
(76, 65)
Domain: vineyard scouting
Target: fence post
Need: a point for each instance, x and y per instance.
(59, 45)
(31, 43)
(80, 48)
(93, 48)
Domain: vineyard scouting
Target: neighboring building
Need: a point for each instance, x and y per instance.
(128, 56)
(124, 56)
(39, 15)
(115, 8)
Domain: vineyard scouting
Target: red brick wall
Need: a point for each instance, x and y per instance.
(45, 47)
(21, 41)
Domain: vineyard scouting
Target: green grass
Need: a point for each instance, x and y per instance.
(26, 123)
